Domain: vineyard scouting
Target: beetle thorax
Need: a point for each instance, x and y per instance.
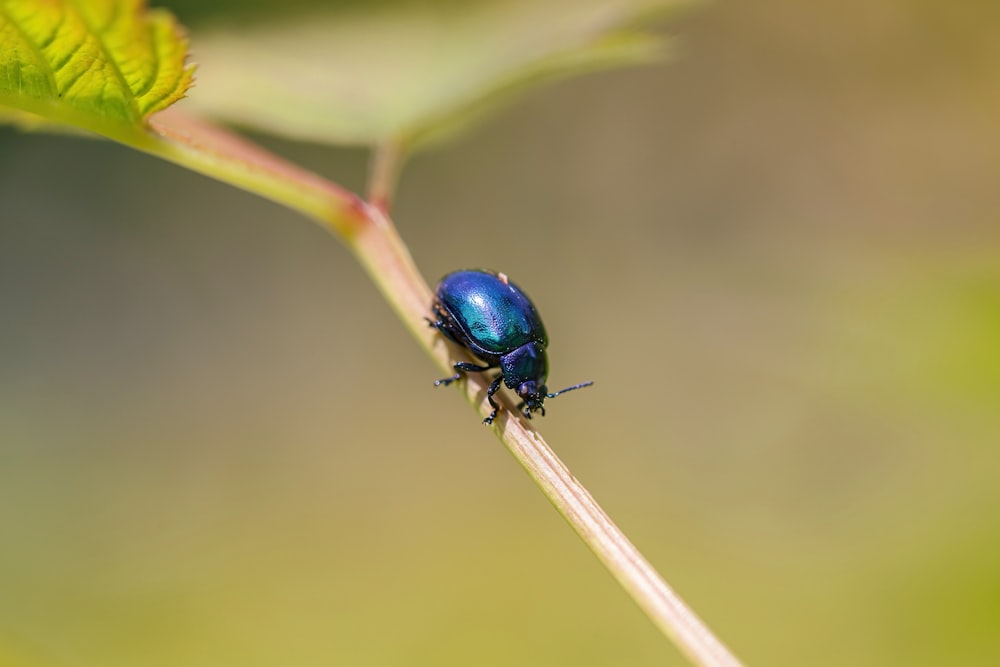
(526, 366)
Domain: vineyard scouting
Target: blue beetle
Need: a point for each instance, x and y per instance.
(487, 314)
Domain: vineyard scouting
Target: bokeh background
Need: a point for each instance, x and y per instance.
(778, 257)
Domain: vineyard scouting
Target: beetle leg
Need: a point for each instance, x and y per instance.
(444, 328)
(494, 386)
(443, 324)
(461, 367)
(447, 381)
(470, 368)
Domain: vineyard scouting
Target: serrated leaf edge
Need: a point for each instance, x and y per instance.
(166, 35)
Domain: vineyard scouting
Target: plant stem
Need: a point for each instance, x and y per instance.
(211, 150)
(383, 173)
(368, 232)
(643, 583)
(389, 264)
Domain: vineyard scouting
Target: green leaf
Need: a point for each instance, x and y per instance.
(106, 66)
(101, 65)
(413, 73)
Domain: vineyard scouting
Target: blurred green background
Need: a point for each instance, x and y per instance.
(778, 257)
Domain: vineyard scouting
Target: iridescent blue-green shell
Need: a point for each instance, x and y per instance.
(491, 311)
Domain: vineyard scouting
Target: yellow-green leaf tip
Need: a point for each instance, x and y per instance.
(103, 65)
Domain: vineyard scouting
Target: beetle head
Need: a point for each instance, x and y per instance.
(525, 370)
(532, 396)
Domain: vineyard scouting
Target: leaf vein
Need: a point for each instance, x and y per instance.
(129, 97)
(54, 33)
(72, 81)
(151, 81)
(33, 48)
(58, 66)
(116, 12)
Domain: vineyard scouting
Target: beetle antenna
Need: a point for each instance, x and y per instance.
(576, 386)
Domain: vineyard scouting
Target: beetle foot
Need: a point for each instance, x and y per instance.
(489, 420)
(444, 382)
